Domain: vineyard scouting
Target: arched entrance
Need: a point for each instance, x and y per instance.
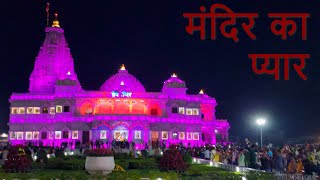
(120, 133)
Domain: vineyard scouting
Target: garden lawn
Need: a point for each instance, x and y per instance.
(73, 168)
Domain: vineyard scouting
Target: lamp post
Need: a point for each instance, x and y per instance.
(261, 123)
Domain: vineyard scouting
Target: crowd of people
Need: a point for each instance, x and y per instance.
(294, 159)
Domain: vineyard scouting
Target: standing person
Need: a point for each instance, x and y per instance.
(213, 153)
(292, 166)
(241, 159)
(299, 166)
(234, 157)
(279, 162)
(207, 154)
(217, 156)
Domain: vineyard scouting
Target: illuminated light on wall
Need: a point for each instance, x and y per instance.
(174, 75)
(69, 73)
(4, 135)
(122, 67)
(201, 91)
(122, 83)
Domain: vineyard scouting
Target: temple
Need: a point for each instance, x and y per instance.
(56, 109)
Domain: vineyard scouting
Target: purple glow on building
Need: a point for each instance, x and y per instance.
(56, 109)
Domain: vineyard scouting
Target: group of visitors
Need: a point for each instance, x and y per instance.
(296, 159)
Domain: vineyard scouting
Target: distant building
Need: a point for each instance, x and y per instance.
(56, 109)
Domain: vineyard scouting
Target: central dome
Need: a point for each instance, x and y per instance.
(123, 81)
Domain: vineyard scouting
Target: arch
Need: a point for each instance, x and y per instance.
(138, 108)
(105, 108)
(86, 108)
(121, 108)
(155, 110)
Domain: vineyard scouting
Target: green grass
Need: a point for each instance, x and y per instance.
(144, 168)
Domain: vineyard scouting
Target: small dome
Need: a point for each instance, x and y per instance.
(122, 81)
(174, 82)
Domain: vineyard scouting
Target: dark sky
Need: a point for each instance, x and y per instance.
(150, 38)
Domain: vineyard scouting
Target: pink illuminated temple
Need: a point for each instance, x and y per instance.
(56, 109)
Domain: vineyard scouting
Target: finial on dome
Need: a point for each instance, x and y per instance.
(174, 75)
(55, 22)
(201, 91)
(122, 67)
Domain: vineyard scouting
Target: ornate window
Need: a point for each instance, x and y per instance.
(28, 135)
(188, 111)
(57, 135)
(75, 134)
(182, 135)
(13, 135)
(174, 135)
(35, 135)
(58, 109)
(52, 110)
(19, 135)
(14, 110)
(65, 134)
(43, 135)
(66, 108)
(22, 110)
(103, 134)
(137, 134)
(30, 110)
(189, 136)
(174, 110)
(45, 110)
(52, 134)
(181, 110)
(195, 111)
(195, 136)
(36, 110)
(164, 135)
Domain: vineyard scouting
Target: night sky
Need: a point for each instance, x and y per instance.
(149, 37)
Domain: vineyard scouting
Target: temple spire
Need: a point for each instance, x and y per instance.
(54, 62)
(55, 22)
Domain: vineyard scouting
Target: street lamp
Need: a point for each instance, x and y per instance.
(261, 122)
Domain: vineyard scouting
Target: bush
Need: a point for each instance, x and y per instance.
(71, 164)
(148, 163)
(42, 156)
(172, 160)
(187, 158)
(142, 164)
(59, 153)
(17, 161)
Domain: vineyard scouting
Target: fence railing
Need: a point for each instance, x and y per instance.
(224, 166)
(283, 176)
(278, 176)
